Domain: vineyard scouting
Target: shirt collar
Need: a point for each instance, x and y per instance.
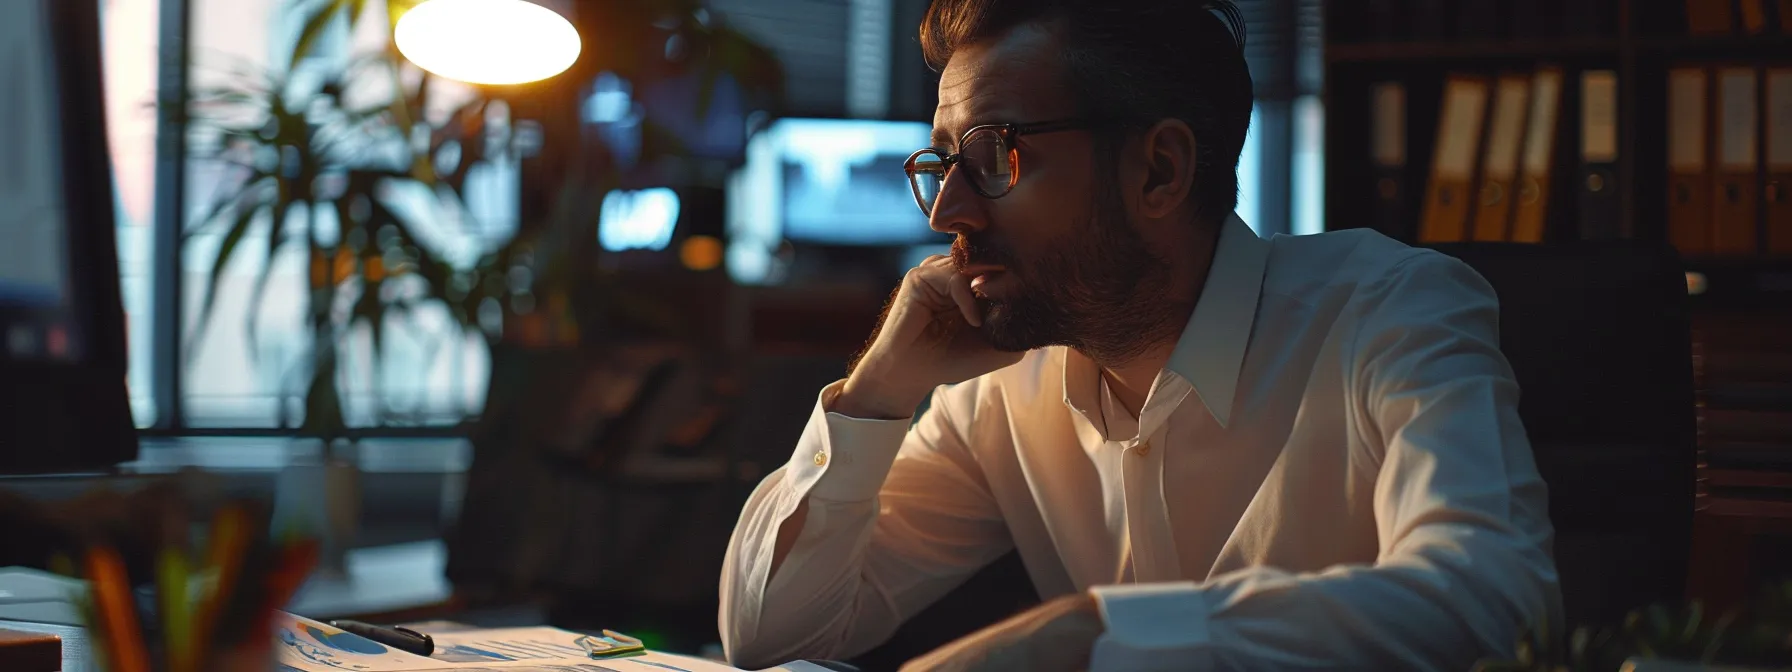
(1210, 353)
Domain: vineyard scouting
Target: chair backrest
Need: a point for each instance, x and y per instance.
(1598, 336)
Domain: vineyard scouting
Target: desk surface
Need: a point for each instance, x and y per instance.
(381, 579)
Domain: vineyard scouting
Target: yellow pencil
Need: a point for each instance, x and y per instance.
(172, 575)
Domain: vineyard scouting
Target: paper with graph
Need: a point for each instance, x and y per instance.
(304, 645)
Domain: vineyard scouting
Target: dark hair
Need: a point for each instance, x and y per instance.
(1136, 62)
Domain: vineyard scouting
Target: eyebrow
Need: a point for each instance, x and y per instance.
(941, 136)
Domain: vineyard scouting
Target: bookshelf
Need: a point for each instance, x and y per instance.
(1741, 300)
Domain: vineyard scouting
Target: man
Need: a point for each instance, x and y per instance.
(1211, 450)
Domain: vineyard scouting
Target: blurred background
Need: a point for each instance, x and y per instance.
(527, 346)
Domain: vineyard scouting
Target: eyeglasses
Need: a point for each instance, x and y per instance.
(986, 153)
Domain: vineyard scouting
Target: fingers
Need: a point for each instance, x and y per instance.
(942, 275)
(966, 300)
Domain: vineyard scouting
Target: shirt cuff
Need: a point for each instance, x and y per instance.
(1150, 626)
(842, 458)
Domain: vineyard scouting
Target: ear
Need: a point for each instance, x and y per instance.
(1166, 153)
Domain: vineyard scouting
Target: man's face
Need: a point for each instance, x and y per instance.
(1057, 260)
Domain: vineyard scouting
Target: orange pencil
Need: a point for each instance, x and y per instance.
(116, 611)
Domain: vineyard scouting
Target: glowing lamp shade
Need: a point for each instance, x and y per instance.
(487, 41)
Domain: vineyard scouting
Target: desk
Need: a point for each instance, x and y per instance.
(381, 581)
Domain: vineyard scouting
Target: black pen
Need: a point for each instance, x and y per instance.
(403, 639)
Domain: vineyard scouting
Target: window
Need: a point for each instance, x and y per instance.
(1250, 176)
(1309, 166)
(428, 371)
(129, 42)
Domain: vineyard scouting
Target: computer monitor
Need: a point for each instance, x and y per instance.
(62, 352)
(828, 182)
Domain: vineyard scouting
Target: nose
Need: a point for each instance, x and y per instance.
(958, 209)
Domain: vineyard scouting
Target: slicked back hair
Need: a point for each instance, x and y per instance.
(1133, 62)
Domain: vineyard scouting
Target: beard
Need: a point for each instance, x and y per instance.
(1101, 290)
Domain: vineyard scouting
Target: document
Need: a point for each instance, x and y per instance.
(304, 645)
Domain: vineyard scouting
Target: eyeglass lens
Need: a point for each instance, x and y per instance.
(984, 158)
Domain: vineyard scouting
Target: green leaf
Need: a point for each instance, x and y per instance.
(323, 404)
(240, 197)
(370, 309)
(1659, 622)
(314, 28)
(1694, 617)
(226, 250)
(355, 9)
(276, 237)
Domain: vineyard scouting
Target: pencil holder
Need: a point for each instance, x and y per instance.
(210, 612)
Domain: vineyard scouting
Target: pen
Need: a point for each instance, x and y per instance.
(403, 639)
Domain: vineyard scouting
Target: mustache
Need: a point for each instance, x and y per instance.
(968, 249)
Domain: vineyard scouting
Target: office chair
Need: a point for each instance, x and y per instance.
(1598, 335)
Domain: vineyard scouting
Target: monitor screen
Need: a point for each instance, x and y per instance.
(843, 181)
(35, 279)
(63, 403)
(832, 182)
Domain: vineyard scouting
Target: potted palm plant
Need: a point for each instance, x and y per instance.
(314, 167)
(308, 166)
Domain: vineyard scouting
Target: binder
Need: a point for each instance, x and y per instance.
(1599, 155)
(1708, 17)
(1532, 207)
(1447, 199)
(1499, 160)
(1754, 16)
(1733, 194)
(1387, 145)
(1689, 175)
(1777, 196)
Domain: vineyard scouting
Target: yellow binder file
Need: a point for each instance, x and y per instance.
(1689, 176)
(1733, 214)
(1499, 161)
(1453, 164)
(1531, 211)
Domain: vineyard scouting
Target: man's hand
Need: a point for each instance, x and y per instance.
(929, 337)
(1057, 636)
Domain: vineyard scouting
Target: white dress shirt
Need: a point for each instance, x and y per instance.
(1329, 472)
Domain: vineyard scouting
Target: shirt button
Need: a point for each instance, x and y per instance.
(1144, 449)
(821, 459)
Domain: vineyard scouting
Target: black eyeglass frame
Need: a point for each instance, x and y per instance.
(1008, 133)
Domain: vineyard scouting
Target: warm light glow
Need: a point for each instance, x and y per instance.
(487, 41)
(1696, 283)
(701, 253)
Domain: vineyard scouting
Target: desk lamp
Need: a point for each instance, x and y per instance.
(492, 42)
